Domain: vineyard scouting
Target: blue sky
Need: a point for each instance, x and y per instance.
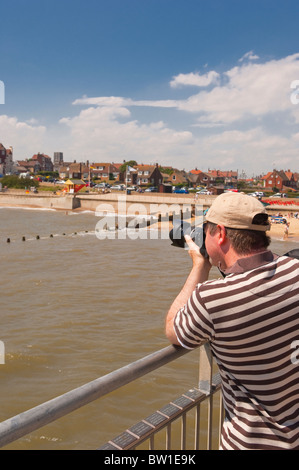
(187, 83)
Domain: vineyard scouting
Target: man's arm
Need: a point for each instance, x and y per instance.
(199, 273)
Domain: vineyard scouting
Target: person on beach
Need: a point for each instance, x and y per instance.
(286, 231)
(250, 318)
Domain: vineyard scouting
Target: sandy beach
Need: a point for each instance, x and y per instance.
(276, 232)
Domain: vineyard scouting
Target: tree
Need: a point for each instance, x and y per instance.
(124, 165)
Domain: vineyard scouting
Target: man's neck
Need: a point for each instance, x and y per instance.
(231, 257)
(249, 261)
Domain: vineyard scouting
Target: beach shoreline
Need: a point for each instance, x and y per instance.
(17, 199)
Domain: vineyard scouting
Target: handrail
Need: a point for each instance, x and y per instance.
(37, 417)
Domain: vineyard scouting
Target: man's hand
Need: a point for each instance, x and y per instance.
(194, 252)
(199, 273)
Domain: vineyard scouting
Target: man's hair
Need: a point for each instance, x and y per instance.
(246, 241)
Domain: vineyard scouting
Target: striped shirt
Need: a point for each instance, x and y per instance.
(251, 319)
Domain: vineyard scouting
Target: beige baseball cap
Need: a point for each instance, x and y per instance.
(237, 210)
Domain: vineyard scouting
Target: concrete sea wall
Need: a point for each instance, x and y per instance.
(46, 201)
(119, 202)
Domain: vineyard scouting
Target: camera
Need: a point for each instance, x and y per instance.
(197, 234)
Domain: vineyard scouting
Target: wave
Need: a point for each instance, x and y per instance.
(29, 208)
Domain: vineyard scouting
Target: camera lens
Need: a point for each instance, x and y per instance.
(181, 228)
(178, 232)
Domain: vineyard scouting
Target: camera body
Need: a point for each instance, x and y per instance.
(197, 234)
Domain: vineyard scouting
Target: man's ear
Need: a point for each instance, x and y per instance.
(221, 234)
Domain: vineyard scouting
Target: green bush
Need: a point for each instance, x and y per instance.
(13, 181)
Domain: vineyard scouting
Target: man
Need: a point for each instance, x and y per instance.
(251, 319)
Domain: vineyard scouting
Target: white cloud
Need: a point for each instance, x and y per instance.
(254, 151)
(98, 134)
(247, 90)
(249, 56)
(195, 79)
(250, 90)
(118, 101)
(26, 139)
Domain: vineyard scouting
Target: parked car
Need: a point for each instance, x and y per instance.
(102, 185)
(181, 191)
(118, 187)
(203, 191)
(256, 194)
(152, 189)
(279, 195)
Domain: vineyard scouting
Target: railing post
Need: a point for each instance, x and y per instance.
(205, 369)
(205, 384)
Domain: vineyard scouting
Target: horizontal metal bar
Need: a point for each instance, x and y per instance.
(47, 412)
(164, 417)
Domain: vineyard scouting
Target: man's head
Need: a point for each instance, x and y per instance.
(237, 226)
(238, 211)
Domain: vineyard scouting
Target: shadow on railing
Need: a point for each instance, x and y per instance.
(35, 418)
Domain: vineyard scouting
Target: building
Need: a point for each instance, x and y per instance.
(148, 175)
(28, 166)
(281, 180)
(58, 160)
(292, 179)
(45, 162)
(199, 178)
(6, 160)
(175, 176)
(275, 179)
(74, 171)
(104, 171)
(228, 178)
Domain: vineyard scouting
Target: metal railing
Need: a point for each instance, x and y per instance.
(35, 418)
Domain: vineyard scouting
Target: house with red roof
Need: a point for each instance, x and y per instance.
(45, 161)
(280, 180)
